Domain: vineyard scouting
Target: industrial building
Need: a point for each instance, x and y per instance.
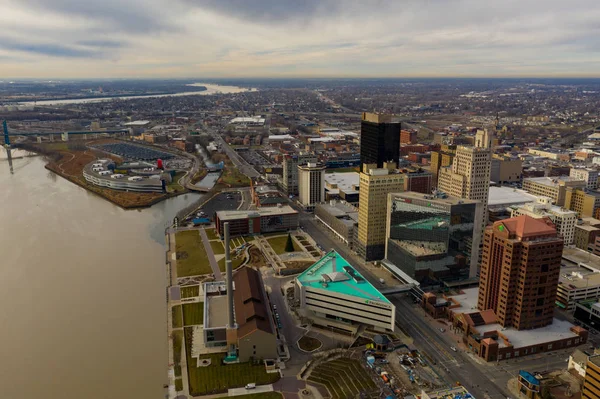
(431, 237)
(263, 220)
(335, 296)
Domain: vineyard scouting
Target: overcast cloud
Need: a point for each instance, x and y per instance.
(298, 38)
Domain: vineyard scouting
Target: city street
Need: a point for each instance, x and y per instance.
(239, 163)
(461, 368)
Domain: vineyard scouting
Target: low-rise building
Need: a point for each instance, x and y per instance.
(343, 186)
(586, 231)
(554, 188)
(335, 296)
(564, 220)
(505, 170)
(582, 201)
(419, 181)
(339, 217)
(590, 176)
(579, 278)
(255, 332)
(263, 220)
(488, 339)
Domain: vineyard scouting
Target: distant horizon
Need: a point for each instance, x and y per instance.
(209, 80)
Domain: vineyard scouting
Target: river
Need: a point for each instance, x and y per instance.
(210, 89)
(82, 288)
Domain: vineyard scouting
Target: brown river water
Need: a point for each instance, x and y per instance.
(82, 290)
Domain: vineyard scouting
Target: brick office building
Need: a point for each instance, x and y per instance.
(519, 271)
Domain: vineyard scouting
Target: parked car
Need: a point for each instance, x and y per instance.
(251, 386)
(442, 329)
(453, 348)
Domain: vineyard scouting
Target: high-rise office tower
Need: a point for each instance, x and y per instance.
(469, 178)
(375, 185)
(311, 185)
(379, 140)
(520, 268)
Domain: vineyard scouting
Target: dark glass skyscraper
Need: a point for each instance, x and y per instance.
(379, 140)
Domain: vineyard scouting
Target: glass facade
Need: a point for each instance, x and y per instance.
(429, 236)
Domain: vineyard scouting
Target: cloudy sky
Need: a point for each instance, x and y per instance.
(298, 38)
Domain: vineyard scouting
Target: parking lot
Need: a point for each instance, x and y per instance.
(226, 201)
(133, 151)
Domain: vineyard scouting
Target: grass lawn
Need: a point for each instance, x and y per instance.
(193, 313)
(233, 177)
(179, 384)
(217, 377)
(212, 234)
(177, 370)
(176, 315)
(177, 341)
(248, 238)
(235, 263)
(309, 344)
(174, 186)
(278, 244)
(191, 256)
(217, 247)
(190, 291)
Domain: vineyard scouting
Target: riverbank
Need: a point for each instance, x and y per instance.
(105, 97)
(68, 162)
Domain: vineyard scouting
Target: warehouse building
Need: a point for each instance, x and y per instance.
(335, 296)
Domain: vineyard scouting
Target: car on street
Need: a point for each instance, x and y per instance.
(442, 329)
(453, 348)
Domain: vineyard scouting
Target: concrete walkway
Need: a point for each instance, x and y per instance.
(211, 256)
(244, 391)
